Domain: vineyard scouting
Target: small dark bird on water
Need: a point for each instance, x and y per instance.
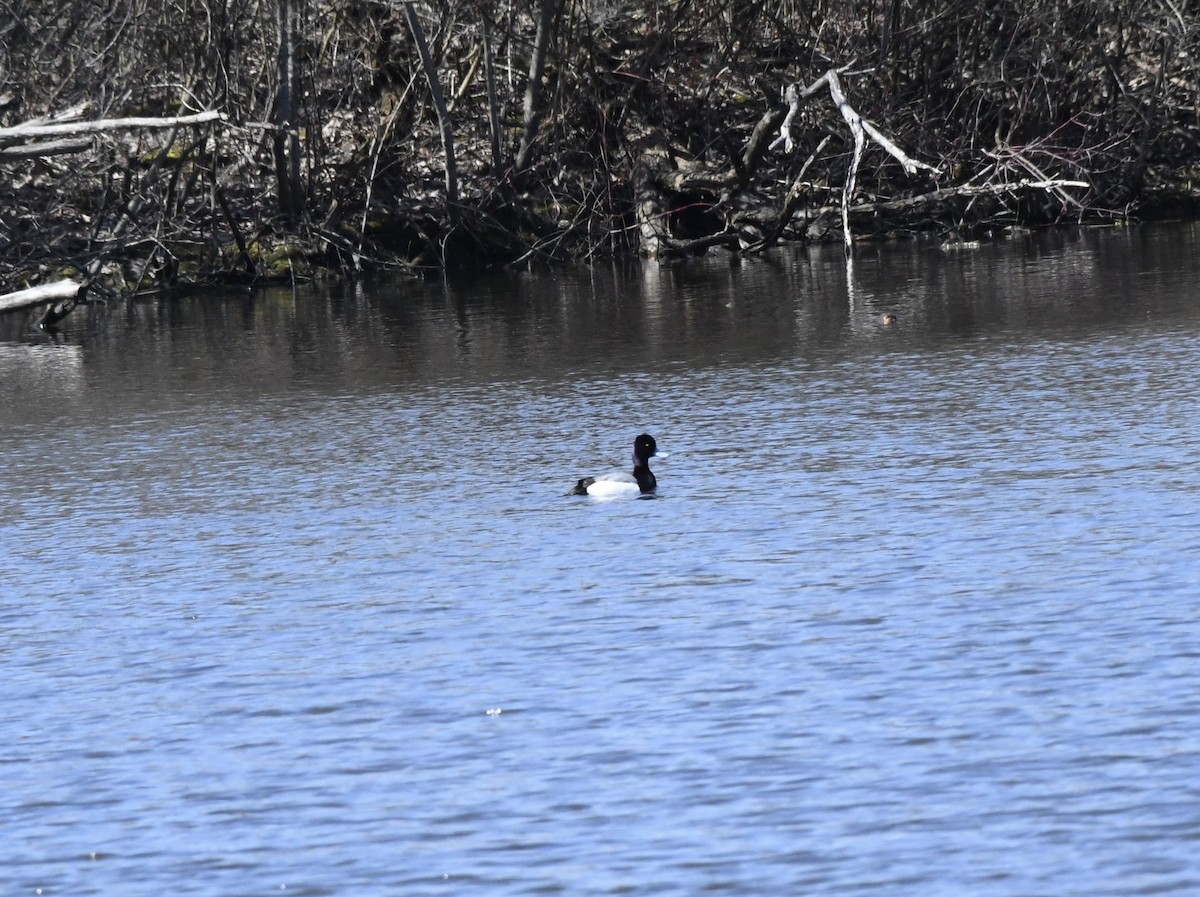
(56, 312)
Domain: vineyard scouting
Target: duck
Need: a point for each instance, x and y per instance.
(48, 322)
(619, 483)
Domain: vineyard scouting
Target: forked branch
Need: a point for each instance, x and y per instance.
(860, 127)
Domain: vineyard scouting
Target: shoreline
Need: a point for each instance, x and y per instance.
(448, 138)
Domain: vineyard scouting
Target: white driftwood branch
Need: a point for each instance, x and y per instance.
(58, 289)
(860, 128)
(910, 164)
(34, 131)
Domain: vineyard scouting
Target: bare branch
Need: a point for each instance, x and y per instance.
(860, 128)
(31, 131)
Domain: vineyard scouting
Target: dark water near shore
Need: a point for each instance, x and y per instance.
(292, 601)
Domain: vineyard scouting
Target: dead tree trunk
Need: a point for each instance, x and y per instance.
(489, 76)
(533, 89)
(286, 143)
(649, 208)
(439, 104)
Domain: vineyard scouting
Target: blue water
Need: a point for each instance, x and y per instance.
(292, 600)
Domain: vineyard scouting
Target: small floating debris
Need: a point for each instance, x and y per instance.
(495, 711)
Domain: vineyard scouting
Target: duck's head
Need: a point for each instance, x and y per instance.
(644, 448)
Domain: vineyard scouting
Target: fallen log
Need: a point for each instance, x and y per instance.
(58, 289)
(37, 131)
(943, 193)
(939, 196)
(45, 148)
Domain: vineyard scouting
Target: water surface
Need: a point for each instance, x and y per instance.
(292, 600)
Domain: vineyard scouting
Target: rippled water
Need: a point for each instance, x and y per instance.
(292, 600)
